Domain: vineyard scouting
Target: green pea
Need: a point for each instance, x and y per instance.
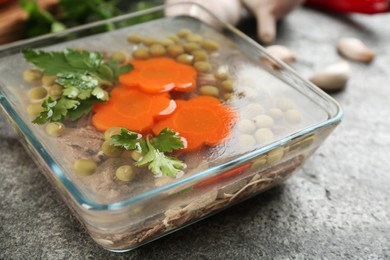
(276, 113)
(175, 50)
(55, 90)
(184, 33)
(48, 80)
(222, 75)
(167, 42)
(55, 129)
(191, 46)
(125, 173)
(194, 38)
(34, 109)
(264, 136)
(209, 91)
(37, 93)
(149, 41)
(227, 85)
(141, 54)
(136, 156)
(119, 56)
(246, 126)
(185, 58)
(84, 167)
(134, 38)
(202, 66)
(31, 75)
(293, 116)
(110, 132)
(275, 155)
(263, 121)
(210, 45)
(227, 96)
(285, 104)
(174, 38)
(200, 55)
(245, 140)
(157, 49)
(110, 150)
(258, 163)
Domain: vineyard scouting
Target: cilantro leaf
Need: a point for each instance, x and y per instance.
(127, 139)
(159, 163)
(167, 141)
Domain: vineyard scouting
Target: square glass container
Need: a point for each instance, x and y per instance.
(281, 120)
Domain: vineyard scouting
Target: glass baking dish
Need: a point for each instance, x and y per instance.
(280, 120)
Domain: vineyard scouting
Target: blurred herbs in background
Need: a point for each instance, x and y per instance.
(69, 13)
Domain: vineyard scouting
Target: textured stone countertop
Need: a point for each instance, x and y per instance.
(336, 207)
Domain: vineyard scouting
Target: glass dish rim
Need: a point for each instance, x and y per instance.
(91, 205)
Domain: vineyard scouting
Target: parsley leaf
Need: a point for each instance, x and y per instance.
(159, 163)
(39, 21)
(50, 62)
(55, 110)
(82, 109)
(117, 70)
(127, 139)
(81, 80)
(86, 63)
(82, 74)
(167, 141)
(153, 150)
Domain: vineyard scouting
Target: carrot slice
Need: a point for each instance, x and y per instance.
(132, 109)
(226, 175)
(158, 75)
(201, 121)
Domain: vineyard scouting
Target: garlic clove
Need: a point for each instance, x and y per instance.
(355, 49)
(282, 53)
(333, 77)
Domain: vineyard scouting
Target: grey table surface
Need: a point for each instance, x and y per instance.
(336, 207)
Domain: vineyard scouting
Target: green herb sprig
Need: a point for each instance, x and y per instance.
(82, 74)
(153, 150)
(69, 13)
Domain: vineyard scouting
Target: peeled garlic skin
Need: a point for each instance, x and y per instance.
(332, 78)
(355, 49)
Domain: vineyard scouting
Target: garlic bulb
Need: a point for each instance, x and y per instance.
(333, 77)
(355, 49)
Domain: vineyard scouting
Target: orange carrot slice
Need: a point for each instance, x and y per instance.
(158, 75)
(132, 109)
(201, 121)
(224, 176)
